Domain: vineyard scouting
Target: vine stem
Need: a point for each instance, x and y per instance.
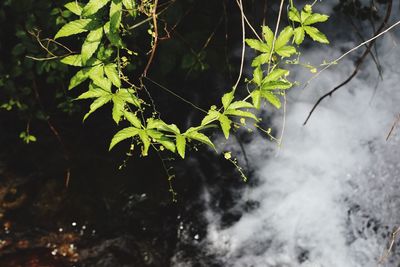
(240, 3)
(248, 22)
(350, 51)
(276, 32)
(153, 50)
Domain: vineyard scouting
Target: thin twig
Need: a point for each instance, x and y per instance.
(392, 241)
(397, 120)
(176, 95)
(55, 132)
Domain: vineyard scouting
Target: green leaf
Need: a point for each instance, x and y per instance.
(227, 99)
(118, 108)
(73, 60)
(75, 7)
(256, 98)
(261, 59)
(161, 139)
(122, 135)
(146, 142)
(304, 15)
(298, 35)
(308, 8)
(316, 35)
(181, 145)
(101, 82)
(91, 44)
(240, 104)
(128, 96)
(99, 102)
(268, 35)
(286, 51)
(275, 75)
(199, 137)
(258, 45)
(283, 38)
(273, 99)
(92, 93)
(133, 119)
(162, 126)
(241, 113)
(225, 125)
(273, 85)
(113, 37)
(115, 15)
(130, 5)
(79, 77)
(112, 74)
(93, 6)
(257, 75)
(74, 27)
(167, 143)
(314, 18)
(294, 15)
(210, 117)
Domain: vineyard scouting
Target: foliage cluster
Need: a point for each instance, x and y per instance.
(101, 64)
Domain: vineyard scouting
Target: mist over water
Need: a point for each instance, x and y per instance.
(329, 196)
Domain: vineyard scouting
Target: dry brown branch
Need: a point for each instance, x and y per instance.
(396, 121)
(359, 61)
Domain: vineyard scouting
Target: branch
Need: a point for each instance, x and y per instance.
(359, 61)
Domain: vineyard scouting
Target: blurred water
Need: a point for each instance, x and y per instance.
(328, 197)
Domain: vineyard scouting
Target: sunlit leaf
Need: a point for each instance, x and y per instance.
(227, 99)
(314, 18)
(122, 135)
(294, 15)
(258, 45)
(316, 35)
(113, 37)
(268, 35)
(241, 113)
(181, 145)
(115, 15)
(74, 27)
(118, 108)
(225, 125)
(200, 137)
(146, 142)
(99, 102)
(72, 60)
(271, 98)
(93, 6)
(128, 95)
(286, 51)
(256, 98)
(240, 104)
(275, 75)
(298, 35)
(261, 59)
(112, 74)
(283, 38)
(133, 119)
(79, 77)
(273, 85)
(91, 44)
(257, 75)
(130, 5)
(75, 7)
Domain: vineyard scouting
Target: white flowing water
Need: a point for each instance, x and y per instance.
(329, 196)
